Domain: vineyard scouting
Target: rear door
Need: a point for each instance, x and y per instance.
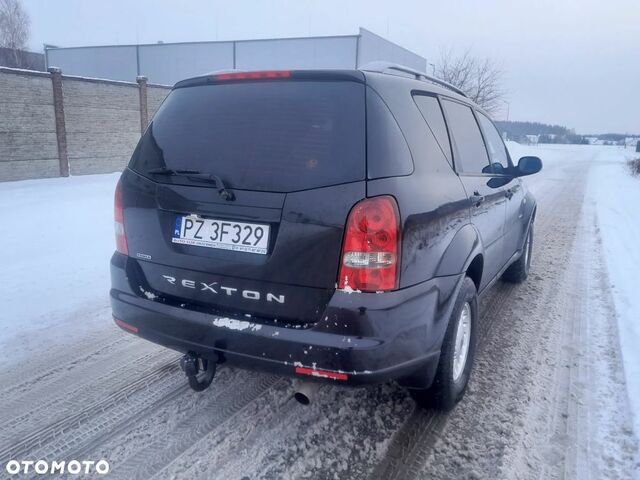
(486, 197)
(292, 153)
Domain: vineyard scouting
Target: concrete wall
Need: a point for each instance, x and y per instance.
(155, 97)
(97, 127)
(28, 147)
(103, 125)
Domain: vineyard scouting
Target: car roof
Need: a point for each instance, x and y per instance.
(413, 83)
(371, 74)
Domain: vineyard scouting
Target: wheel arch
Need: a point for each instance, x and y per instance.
(531, 218)
(475, 269)
(465, 252)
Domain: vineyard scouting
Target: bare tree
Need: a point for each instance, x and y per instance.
(479, 78)
(14, 28)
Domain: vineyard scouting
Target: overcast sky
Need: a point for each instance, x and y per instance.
(574, 63)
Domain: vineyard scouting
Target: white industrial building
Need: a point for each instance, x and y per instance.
(166, 63)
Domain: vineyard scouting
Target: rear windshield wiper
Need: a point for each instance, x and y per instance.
(198, 177)
(170, 171)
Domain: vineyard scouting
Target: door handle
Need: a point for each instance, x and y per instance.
(508, 193)
(476, 199)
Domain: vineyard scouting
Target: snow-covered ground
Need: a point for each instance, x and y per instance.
(56, 246)
(616, 195)
(546, 400)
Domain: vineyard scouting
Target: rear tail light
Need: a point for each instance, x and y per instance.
(118, 214)
(371, 248)
(252, 75)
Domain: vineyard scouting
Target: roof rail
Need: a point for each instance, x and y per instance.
(384, 67)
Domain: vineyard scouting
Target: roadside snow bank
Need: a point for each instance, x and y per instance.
(617, 197)
(56, 244)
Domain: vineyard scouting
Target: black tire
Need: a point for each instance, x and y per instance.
(446, 391)
(518, 271)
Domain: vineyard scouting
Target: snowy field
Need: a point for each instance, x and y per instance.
(55, 261)
(547, 399)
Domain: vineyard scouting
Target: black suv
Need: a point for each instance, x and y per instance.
(333, 225)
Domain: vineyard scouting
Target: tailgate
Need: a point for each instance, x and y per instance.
(293, 155)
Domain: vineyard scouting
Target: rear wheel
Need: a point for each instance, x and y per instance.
(518, 271)
(456, 355)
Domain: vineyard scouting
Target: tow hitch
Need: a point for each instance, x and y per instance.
(199, 371)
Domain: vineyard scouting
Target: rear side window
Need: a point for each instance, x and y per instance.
(430, 109)
(279, 136)
(388, 154)
(495, 145)
(471, 152)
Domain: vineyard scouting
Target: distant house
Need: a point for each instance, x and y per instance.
(21, 59)
(532, 139)
(631, 141)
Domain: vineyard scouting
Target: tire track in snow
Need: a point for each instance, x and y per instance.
(338, 436)
(582, 417)
(117, 428)
(419, 433)
(51, 440)
(215, 411)
(561, 417)
(52, 361)
(61, 395)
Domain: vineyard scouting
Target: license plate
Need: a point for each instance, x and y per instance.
(222, 234)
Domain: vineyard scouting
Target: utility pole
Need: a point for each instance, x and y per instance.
(508, 106)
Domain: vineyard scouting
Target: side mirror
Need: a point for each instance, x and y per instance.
(528, 166)
(496, 169)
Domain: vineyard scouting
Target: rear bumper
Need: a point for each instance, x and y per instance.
(368, 338)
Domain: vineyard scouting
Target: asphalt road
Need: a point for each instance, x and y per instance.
(547, 397)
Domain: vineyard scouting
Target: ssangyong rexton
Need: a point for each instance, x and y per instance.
(333, 225)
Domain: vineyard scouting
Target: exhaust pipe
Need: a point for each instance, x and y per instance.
(305, 392)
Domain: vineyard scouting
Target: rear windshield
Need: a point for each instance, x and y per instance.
(278, 136)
